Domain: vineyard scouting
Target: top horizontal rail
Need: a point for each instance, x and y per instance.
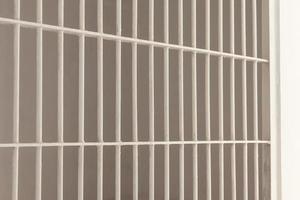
(139, 143)
(128, 39)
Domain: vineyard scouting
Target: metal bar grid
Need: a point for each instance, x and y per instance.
(152, 143)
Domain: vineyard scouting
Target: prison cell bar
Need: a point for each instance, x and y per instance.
(207, 100)
(194, 100)
(81, 101)
(39, 101)
(232, 102)
(181, 100)
(134, 101)
(16, 102)
(255, 100)
(166, 103)
(151, 100)
(118, 100)
(100, 101)
(244, 100)
(221, 100)
(60, 100)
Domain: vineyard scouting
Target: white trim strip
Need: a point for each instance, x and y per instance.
(275, 99)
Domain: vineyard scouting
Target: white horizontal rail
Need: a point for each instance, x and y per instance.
(128, 39)
(139, 143)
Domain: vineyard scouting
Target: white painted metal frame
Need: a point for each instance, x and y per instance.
(82, 33)
(275, 104)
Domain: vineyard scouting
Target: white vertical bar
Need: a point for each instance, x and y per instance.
(166, 102)
(255, 101)
(81, 101)
(181, 101)
(118, 101)
(134, 101)
(100, 101)
(81, 72)
(232, 103)
(100, 172)
(80, 172)
(275, 99)
(39, 101)
(220, 100)
(207, 101)
(16, 104)
(194, 101)
(60, 98)
(244, 99)
(151, 100)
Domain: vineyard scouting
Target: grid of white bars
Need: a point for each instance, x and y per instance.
(39, 26)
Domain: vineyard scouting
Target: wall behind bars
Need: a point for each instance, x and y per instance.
(28, 100)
